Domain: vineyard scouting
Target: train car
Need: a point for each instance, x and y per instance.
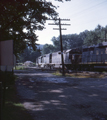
(94, 57)
(72, 58)
(51, 61)
(56, 59)
(86, 58)
(47, 61)
(38, 61)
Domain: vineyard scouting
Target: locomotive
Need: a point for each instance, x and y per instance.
(85, 58)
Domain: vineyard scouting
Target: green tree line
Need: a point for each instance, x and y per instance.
(85, 38)
(28, 55)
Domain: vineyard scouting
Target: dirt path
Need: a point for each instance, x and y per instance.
(48, 97)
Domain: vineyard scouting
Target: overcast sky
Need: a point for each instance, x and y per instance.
(83, 15)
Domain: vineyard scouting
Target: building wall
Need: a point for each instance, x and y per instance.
(6, 55)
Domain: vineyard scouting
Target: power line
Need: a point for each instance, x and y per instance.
(87, 15)
(88, 8)
(91, 21)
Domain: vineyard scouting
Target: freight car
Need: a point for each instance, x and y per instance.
(86, 58)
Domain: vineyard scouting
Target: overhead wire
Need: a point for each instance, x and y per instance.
(84, 10)
(87, 22)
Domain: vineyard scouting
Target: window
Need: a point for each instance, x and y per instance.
(97, 52)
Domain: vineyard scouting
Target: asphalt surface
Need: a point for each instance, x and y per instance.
(49, 97)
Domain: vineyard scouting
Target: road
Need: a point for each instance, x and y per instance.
(49, 97)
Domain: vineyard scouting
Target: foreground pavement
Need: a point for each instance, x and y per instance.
(48, 97)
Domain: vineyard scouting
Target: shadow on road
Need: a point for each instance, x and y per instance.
(72, 99)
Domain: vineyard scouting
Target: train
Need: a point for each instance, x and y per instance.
(84, 58)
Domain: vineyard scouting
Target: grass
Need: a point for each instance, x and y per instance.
(12, 109)
(57, 73)
(20, 68)
(85, 75)
(81, 75)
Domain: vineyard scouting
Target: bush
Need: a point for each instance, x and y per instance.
(7, 78)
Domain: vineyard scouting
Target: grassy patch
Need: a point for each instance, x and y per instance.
(13, 109)
(81, 75)
(57, 73)
(20, 67)
(85, 75)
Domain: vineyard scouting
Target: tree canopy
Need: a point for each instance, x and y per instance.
(28, 55)
(96, 36)
(17, 15)
(85, 38)
(47, 48)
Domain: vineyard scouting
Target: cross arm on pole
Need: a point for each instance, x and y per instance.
(57, 24)
(59, 29)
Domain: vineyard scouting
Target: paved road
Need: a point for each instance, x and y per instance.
(48, 97)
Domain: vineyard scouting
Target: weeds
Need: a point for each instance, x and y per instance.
(20, 68)
(81, 75)
(57, 73)
(12, 109)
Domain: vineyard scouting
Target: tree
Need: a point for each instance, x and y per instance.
(86, 38)
(48, 48)
(68, 42)
(28, 55)
(104, 33)
(17, 15)
(95, 36)
(56, 43)
(72, 41)
(91, 38)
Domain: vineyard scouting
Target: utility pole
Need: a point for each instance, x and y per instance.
(105, 34)
(63, 71)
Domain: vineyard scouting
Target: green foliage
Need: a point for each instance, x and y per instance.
(17, 15)
(91, 38)
(86, 38)
(71, 41)
(7, 78)
(48, 48)
(19, 68)
(13, 109)
(28, 55)
(68, 41)
(57, 73)
(98, 35)
(56, 43)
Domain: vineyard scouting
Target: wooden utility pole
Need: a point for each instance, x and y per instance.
(63, 71)
(105, 34)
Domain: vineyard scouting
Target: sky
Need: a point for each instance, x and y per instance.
(83, 15)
